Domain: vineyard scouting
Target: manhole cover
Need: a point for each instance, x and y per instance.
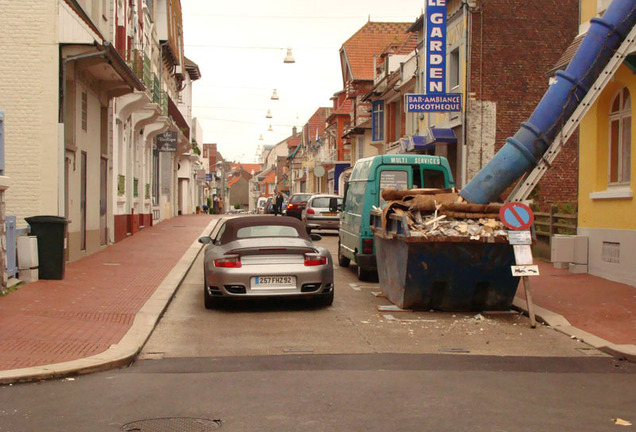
(172, 424)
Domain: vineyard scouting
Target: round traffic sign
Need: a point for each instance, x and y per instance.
(516, 216)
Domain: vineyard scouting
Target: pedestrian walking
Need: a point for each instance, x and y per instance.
(278, 206)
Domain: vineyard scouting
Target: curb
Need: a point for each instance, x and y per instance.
(124, 352)
(562, 325)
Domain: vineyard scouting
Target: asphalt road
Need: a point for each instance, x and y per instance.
(353, 325)
(350, 367)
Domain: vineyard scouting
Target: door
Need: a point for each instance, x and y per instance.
(83, 179)
(12, 265)
(103, 184)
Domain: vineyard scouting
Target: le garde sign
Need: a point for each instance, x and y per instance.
(435, 47)
(435, 98)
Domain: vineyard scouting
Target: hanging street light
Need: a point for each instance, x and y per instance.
(269, 114)
(289, 58)
(270, 129)
(261, 138)
(274, 95)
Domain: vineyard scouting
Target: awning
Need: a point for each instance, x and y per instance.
(418, 143)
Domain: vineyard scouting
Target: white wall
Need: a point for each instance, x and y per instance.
(29, 98)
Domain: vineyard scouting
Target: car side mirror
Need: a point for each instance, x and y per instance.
(315, 237)
(205, 240)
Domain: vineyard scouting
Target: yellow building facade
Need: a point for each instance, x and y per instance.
(607, 209)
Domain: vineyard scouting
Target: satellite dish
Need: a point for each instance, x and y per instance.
(319, 171)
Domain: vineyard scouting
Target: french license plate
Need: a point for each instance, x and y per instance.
(266, 282)
(330, 214)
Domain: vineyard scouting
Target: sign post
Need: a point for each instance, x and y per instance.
(519, 218)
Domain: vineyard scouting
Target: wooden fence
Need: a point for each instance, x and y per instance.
(553, 222)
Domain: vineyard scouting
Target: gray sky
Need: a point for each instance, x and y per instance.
(240, 46)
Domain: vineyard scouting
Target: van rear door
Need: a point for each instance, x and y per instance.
(398, 177)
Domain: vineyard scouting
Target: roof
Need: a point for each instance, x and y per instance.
(270, 177)
(193, 69)
(233, 181)
(567, 55)
(370, 40)
(246, 167)
(294, 141)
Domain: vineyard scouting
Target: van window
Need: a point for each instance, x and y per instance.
(398, 180)
(433, 179)
(355, 197)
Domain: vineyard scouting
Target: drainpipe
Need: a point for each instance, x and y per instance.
(467, 54)
(61, 202)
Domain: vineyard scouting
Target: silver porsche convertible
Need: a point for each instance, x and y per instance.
(265, 256)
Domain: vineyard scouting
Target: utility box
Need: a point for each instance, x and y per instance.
(569, 249)
(562, 248)
(27, 252)
(28, 258)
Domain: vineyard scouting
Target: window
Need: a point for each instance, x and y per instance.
(155, 177)
(266, 231)
(620, 139)
(378, 120)
(453, 73)
(397, 180)
(323, 202)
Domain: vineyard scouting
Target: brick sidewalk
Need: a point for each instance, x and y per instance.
(598, 306)
(52, 321)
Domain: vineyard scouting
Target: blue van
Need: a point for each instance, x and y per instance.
(362, 192)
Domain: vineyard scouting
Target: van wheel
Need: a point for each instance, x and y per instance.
(364, 274)
(343, 261)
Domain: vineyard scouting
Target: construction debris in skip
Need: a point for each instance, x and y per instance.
(441, 213)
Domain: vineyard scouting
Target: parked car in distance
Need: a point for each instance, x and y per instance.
(322, 212)
(268, 208)
(260, 205)
(265, 256)
(296, 204)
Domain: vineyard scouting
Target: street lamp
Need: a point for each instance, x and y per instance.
(274, 95)
(289, 58)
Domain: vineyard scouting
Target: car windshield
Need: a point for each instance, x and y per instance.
(323, 202)
(300, 198)
(266, 231)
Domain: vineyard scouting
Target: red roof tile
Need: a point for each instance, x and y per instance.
(372, 39)
(270, 178)
(316, 125)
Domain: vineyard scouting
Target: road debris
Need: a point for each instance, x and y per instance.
(621, 422)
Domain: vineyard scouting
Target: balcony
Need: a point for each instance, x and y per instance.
(141, 65)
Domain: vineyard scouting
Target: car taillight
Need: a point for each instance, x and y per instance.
(367, 246)
(233, 261)
(315, 260)
(290, 206)
(310, 211)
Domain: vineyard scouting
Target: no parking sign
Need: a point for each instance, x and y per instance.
(516, 216)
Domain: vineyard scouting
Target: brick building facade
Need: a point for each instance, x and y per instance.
(514, 46)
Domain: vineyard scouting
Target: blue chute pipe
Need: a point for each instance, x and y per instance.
(525, 149)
